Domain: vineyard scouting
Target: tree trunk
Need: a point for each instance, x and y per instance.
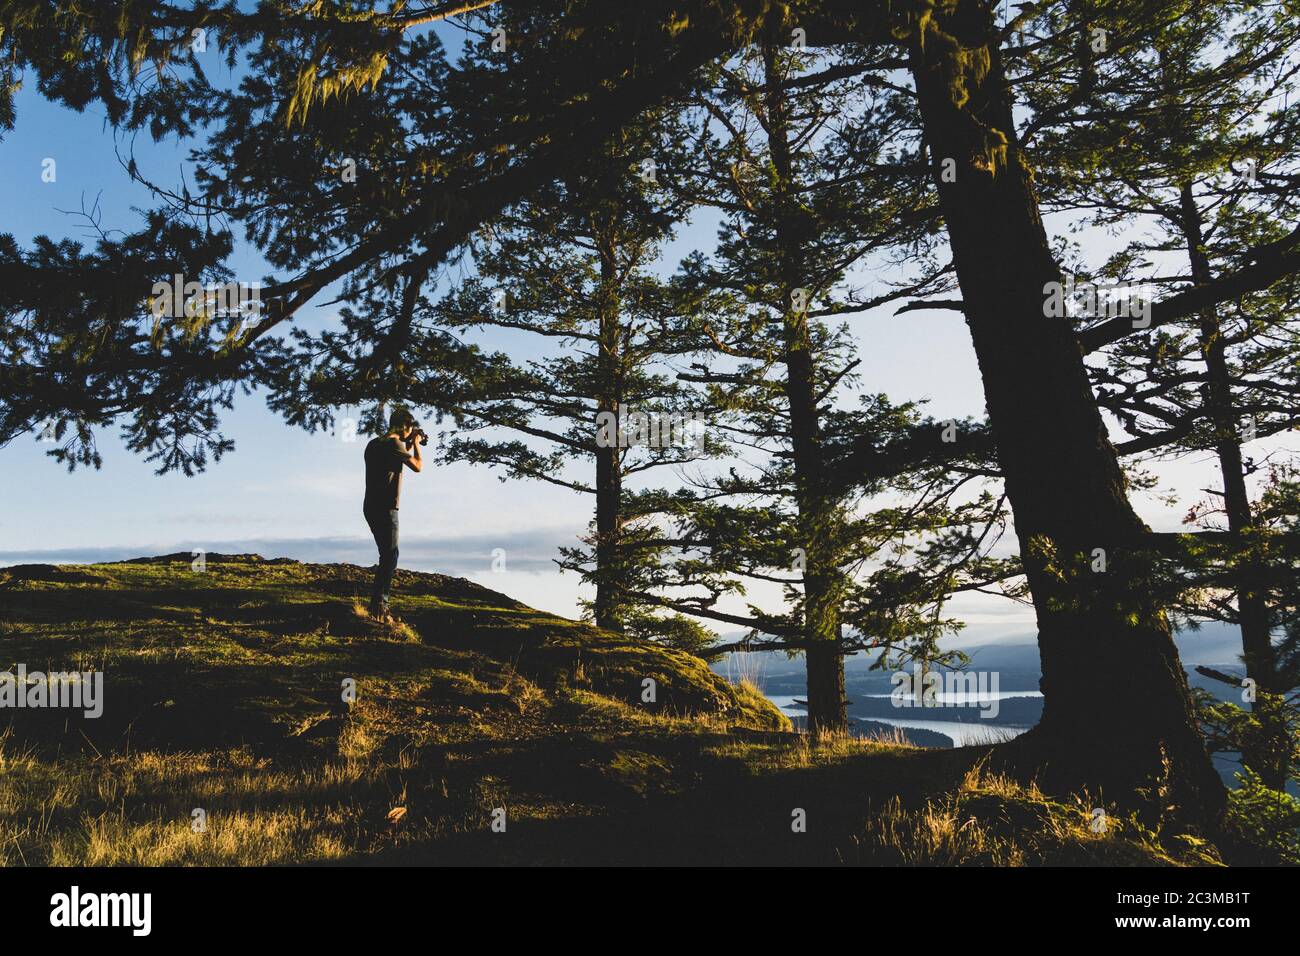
(826, 711)
(1117, 716)
(827, 706)
(609, 485)
(1268, 755)
(611, 590)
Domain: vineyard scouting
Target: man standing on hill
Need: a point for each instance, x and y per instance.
(385, 458)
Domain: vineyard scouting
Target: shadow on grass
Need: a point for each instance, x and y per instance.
(738, 819)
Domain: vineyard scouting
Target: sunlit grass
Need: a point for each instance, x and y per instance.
(225, 694)
(993, 820)
(227, 689)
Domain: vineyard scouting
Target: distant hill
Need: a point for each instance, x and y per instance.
(1212, 643)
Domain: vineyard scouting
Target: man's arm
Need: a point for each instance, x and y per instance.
(411, 453)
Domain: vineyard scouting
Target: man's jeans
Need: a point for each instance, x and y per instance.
(383, 525)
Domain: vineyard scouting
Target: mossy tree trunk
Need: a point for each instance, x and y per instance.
(1117, 714)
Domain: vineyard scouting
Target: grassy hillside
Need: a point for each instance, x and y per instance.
(223, 693)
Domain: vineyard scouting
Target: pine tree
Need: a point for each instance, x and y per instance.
(1063, 478)
(806, 190)
(574, 266)
(1212, 174)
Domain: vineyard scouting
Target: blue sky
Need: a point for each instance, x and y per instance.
(284, 492)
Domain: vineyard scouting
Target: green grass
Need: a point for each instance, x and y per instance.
(223, 693)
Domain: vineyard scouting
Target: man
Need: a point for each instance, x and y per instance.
(385, 458)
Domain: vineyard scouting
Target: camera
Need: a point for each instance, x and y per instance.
(421, 435)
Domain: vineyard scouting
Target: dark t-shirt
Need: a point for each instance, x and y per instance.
(385, 458)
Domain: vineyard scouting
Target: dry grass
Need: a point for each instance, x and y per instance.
(225, 697)
(992, 820)
(140, 810)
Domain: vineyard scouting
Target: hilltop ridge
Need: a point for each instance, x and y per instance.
(224, 700)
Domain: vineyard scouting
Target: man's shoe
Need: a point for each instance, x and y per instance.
(385, 616)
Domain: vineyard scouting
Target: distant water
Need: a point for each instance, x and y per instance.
(972, 700)
(962, 734)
